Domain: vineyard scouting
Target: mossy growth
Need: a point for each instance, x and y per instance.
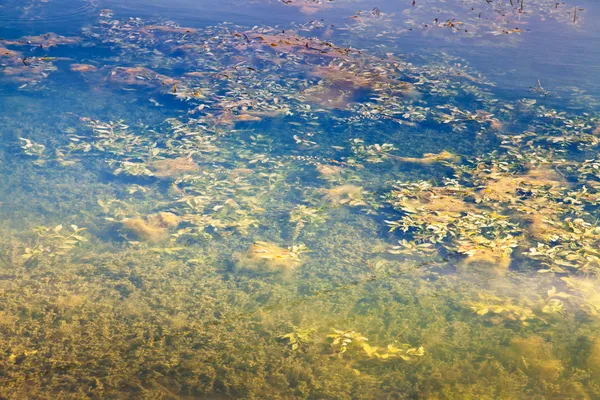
(533, 356)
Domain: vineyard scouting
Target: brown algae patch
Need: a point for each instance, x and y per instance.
(327, 171)
(486, 257)
(10, 54)
(139, 76)
(309, 6)
(339, 87)
(154, 228)
(429, 158)
(265, 256)
(82, 68)
(173, 168)
(346, 194)
(502, 187)
(44, 41)
(292, 43)
(171, 29)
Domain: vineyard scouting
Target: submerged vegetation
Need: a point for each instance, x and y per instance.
(272, 213)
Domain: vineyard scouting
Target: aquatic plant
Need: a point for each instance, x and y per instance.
(302, 215)
(352, 342)
(373, 153)
(342, 340)
(34, 150)
(490, 303)
(54, 242)
(297, 339)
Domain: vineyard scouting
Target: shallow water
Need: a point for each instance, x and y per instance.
(321, 200)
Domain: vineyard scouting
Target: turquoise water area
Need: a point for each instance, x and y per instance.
(299, 199)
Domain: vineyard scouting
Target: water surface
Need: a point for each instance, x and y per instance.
(301, 199)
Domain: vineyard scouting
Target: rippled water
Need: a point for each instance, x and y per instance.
(300, 199)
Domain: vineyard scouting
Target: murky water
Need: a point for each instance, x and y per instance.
(300, 199)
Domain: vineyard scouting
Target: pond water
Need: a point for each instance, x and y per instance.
(299, 199)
